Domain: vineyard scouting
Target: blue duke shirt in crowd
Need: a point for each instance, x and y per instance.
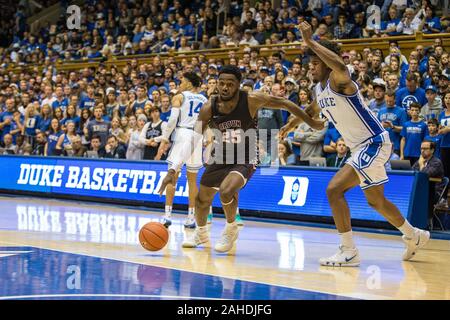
(75, 120)
(52, 140)
(86, 102)
(7, 128)
(434, 23)
(332, 135)
(445, 122)
(391, 23)
(60, 104)
(100, 128)
(165, 116)
(31, 125)
(403, 97)
(44, 124)
(398, 117)
(414, 133)
(437, 139)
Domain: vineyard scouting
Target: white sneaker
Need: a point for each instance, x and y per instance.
(229, 236)
(419, 239)
(343, 258)
(190, 222)
(167, 220)
(198, 237)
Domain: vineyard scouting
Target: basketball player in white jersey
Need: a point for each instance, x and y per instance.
(337, 97)
(185, 110)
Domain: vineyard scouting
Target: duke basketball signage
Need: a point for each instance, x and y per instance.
(288, 190)
(295, 191)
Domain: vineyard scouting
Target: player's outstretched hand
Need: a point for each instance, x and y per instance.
(306, 31)
(168, 179)
(288, 127)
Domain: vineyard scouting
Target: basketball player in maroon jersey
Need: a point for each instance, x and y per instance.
(231, 113)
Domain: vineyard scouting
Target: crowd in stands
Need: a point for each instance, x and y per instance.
(121, 28)
(111, 112)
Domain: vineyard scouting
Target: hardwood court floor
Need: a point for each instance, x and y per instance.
(48, 241)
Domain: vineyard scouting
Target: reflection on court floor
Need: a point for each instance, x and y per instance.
(68, 250)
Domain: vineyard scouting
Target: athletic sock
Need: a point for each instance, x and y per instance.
(191, 212)
(202, 229)
(347, 239)
(407, 229)
(168, 210)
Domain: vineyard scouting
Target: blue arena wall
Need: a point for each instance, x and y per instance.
(296, 193)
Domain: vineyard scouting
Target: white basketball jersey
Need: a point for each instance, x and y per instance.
(349, 114)
(190, 109)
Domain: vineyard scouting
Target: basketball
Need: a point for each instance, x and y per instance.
(153, 236)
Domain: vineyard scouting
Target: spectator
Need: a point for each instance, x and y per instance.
(45, 119)
(32, 119)
(393, 119)
(64, 144)
(413, 133)
(97, 126)
(8, 145)
(270, 119)
(410, 22)
(330, 140)
(53, 137)
(113, 150)
(71, 116)
(96, 147)
(311, 141)
(150, 131)
(343, 30)
(285, 155)
(78, 150)
(341, 156)
(39, 149)
(6, 117)
(431, 165)
(434, 136)
(249, 39)
(135, 150)
(166, 107)
(410, 94)
(433, 107)
(444, 130)
(432, 23)
(378, 102)
(264, 157)
(389, 26)
(117, 131)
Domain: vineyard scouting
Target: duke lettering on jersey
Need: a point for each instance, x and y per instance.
(327, 102)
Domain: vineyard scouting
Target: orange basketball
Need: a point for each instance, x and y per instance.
(153, 236)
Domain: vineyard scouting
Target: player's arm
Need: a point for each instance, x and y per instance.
(177, 101)
(259, 100)
(340, 79)
(402, 148)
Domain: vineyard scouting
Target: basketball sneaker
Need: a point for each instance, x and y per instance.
(413, 244)
(198, 237)
(345, 257)
(229, 236)
(190, 222)
(167, 220)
